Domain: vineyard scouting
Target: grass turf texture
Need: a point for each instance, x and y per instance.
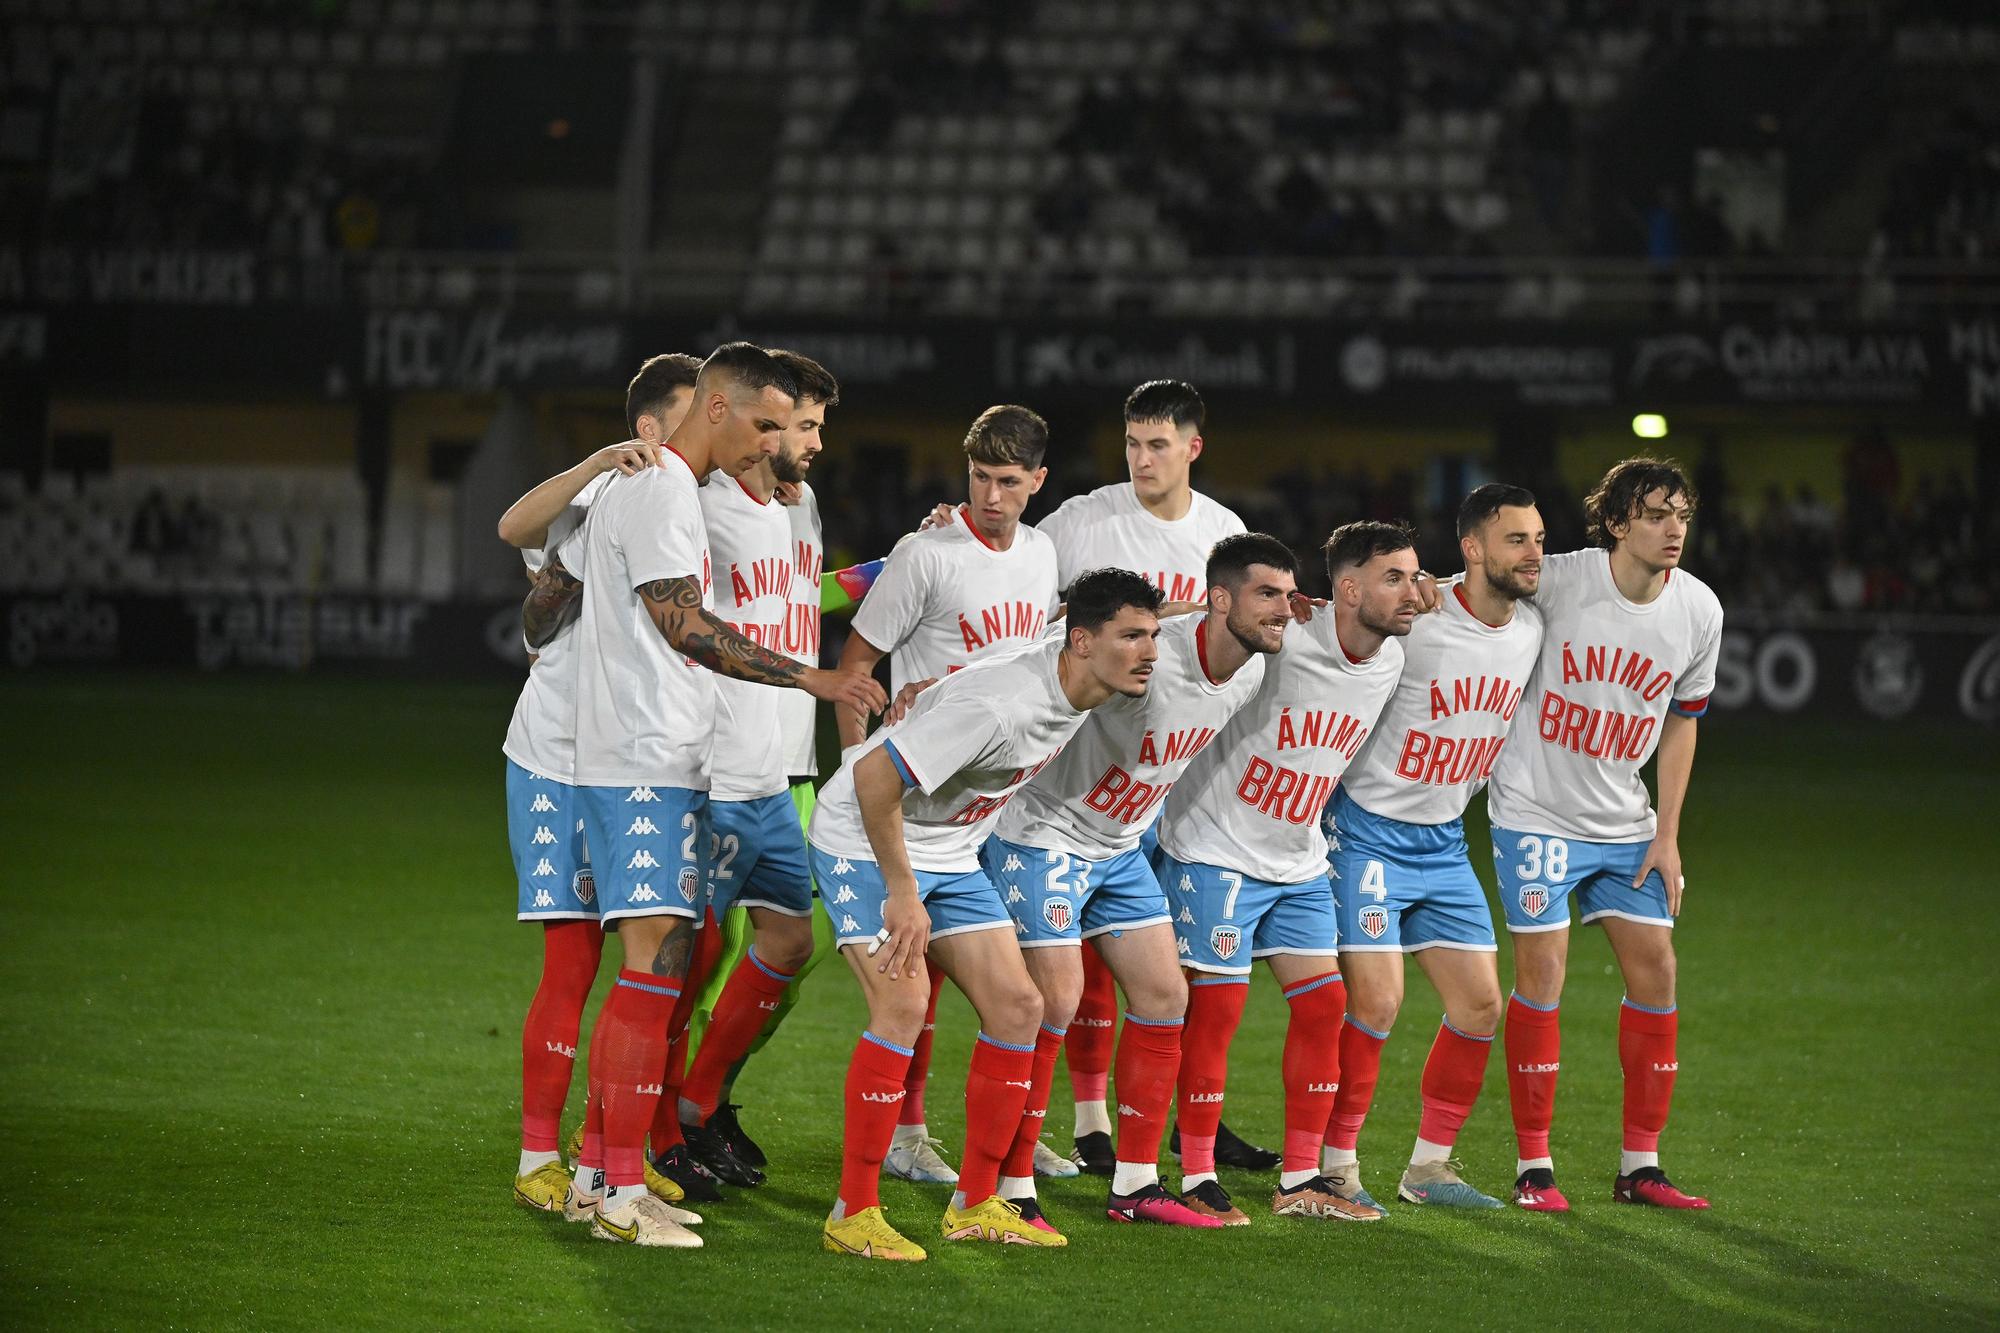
(260, 994)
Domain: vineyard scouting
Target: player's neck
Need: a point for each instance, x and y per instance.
(1635, 583)
(760, 483)
(1083, 690)
(1222, 653)
(693, 449)
(1002, 540)
(1171, 507)
(1486, 602)
(1356, 640)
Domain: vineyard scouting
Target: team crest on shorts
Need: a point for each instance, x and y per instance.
(585, 885)
(1225, 940)
(690, 882)
(1534, 897)
(1374, 920)
(1058, 913)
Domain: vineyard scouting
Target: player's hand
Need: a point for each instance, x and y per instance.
(940, 517)
(856, 689)
(1429, 596)
(1304, 606)
(1664, 855)
(790, 492)
(899, 707)
(629, 457)
(908, 927)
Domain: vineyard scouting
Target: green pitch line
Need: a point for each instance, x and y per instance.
(260, 997)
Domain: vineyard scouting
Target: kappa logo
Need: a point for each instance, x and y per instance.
(1374, 920)
(1187, 884)
(1058, 913)
(886, 1098)
(1534, 899)
(844, 896)
(1225, 940)
(641, 794)
(1180, 947)
(1186, 918)
(1014, 894)
(842, 867)
(1012, 865)
(642, 860)
(1123, 1109)
(557, 1048)
(690, 882)
(542, 836)
(1020, 927)
(542, 898)
(849, 926)
(643, 893)
(543, 805)
(585, 886)
(642, 825)
(542, 867)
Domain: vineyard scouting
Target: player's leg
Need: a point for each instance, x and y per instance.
(1093, 1035)
(1372, 889)
(914, 1155)
(651, 845)
(1297, 938)
(879, 1063)
(1537, 875)
(985, 963)
(1648, 1035)
(1467, 979)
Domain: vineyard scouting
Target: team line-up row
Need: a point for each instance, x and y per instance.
(1125, 755)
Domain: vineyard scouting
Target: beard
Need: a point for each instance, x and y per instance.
(1249, 634)
(788, 468)
(1507, 582)
(1387, 625)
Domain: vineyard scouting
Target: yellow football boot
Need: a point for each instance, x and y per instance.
(663, 1189)
(1002, 1223)
(542, 1189)
(869, 1235)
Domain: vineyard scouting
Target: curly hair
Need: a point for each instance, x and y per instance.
(1618, 497)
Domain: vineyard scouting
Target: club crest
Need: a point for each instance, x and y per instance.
(1225, 940)
(1058, 913)
(1374, 920)
(1534, 897)
(690, 882)
(585, 885)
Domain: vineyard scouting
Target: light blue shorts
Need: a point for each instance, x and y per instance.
(1403, 887)
(652, 850)
(853, 893)
(1539, 873)
(551, 861)
(760, 856)
(1223, 918)
(1057, 898)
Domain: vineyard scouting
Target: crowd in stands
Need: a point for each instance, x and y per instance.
(1944, 201)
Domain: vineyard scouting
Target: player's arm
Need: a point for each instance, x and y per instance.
(879, 784)
(1675, 768)
(555, 596)
(526, 522)
(695, 631)
(858, 656)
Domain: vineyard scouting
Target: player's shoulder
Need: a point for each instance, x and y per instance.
(1704, 607)
(1216, 516)
(1112, 499)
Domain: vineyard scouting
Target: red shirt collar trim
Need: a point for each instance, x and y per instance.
(1201, 650)
(745, 489)
(1458, 591)
(965, 512)
(678, 454)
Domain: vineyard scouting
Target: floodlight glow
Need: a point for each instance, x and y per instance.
(1649, 426)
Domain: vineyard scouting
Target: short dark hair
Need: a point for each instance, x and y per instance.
(749, 366)
(1488, 500)
(1166, 400)
(1354, 544)
(1006, 435)
(1229, 560)
(658, 380)
(1098, 595)
(814, 380)
(1625, 486)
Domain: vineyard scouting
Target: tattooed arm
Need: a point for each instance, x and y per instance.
(555, 596)
(676, 609)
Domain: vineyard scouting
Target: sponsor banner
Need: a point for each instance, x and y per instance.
(1219, 360)
(490, 349)
(1881, 670)
(1505, 366)
(1759, 364)
(1972, 351)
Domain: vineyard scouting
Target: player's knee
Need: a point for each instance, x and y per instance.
(1649, 979)
(1374, 1009)
(896, 1013)
(1161, 997)
(786, 944)
(1478, 1015)
(1014, 1013)
(1538, 976)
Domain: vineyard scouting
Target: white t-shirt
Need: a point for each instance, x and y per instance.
(541, 737)
(1252, 801)
(1608, 672)
(1101, 794)
(1443, 728)
(645, 715)
(970, 742)
(750, 541)
(797, 710)
(945, 599)
(1110, 529)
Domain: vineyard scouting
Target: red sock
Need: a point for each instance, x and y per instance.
(1646, 1049)
(920, 1060)
(1312, 1066)
(666, 1129)
(1452, 1075)
(1534, 1056)
(752, 995)
(1215, 1009)
(627, 1051)
(996, 1092)
(1021, 1157)
(1093, 1032)
(1360, 1066)
(570, 950)
(1149, 1059)
(874, 1090)
(591, 1152)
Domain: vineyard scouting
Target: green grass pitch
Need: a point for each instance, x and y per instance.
(260, 996)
